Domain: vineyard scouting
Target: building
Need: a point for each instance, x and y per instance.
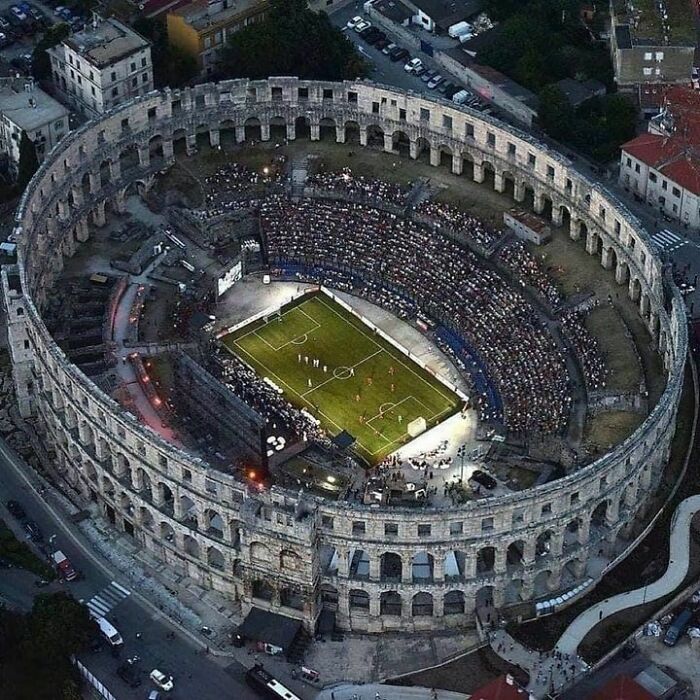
(577, 92)
(526, 226)
(275, 548)
(104, 65)
(201, 28)
(501, 688)
(622, 688)
(25, 108)
(649, 48)
(439, 15)
(662, 167)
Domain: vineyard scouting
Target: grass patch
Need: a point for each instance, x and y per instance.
(370, 388)
(605, 430)
(18, 554)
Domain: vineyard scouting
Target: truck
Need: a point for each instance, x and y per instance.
(65, 568)
(108, 631)
(678, 626)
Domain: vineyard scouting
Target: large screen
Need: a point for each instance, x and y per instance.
(226, 281)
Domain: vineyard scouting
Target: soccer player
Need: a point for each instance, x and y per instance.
(310, 382)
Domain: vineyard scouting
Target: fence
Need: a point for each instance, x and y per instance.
(95, 682)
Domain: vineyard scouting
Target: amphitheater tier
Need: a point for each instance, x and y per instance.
(378, 568)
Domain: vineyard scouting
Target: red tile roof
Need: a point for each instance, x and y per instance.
(502, 688)
(622, 688)
(676, 155)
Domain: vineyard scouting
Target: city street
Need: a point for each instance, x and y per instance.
(196, 674)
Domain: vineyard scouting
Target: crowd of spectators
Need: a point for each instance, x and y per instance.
(586, 348)
(359, 187)
(445, 280)
(460, 222)
(527, 270)
(233, 185)
(263, 398)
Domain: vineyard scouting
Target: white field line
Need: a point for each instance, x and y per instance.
(276, 349)
(369, 357)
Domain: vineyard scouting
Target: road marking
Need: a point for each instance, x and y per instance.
(109, 597)
(668, 241)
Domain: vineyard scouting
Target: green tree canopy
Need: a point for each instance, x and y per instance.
(28, 162)
(555, 112)
(293, 40)
(41, 63)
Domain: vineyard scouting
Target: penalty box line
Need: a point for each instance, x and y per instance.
(274, 348)
(355, 366)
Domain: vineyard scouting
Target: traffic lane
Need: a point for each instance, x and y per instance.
(196, 674)
(130, 616)
(18, 588)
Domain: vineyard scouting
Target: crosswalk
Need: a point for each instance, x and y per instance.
(109, 597)
(668, 241)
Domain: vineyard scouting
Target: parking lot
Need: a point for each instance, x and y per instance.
(384, 70)
(22, 30)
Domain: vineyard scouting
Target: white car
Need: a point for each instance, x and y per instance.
(352, 23)
(435, 81)
(413, 65)
(58, 10)
(161, 680)
(18, 13)
(362, 25)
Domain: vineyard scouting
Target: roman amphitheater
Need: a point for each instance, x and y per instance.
(168, 438)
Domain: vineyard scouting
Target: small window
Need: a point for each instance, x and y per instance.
(531, 159)
(636, 167)
(456, 528)
(143, 65)
(550, 172)
(511, 149)
(375, 107)
(424, 530)
(352, 97)
(629, 162)
(402, 115)
(648, 55)
(659, 56)
(303, 93)
(647, 71)
(518, 517)
(424, 114)
(358, 527)
(569, 184)
(186, 475)
(391, 529)
(652, 177)
(276, 93)
(575, 499)
(664, 185)
(327, 93)
(326, 522)
(487, 524)
(210, 486)
(447, 122)
(547, 509)
(491, 139)
(162, 461)
(469, 130)
(676, 192)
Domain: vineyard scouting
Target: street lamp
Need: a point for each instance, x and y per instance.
(461, 453)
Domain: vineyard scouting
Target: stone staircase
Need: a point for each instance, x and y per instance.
(300, 169)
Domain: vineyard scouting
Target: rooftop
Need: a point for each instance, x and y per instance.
(673, 145)
(502, 688)
(394, 10)
(578, 92)
(445, 13)
(15, 104)
(622, 688)
(648, 26)
(202, 14)
(106, 41)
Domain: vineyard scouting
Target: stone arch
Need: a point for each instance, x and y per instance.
(146, 487)
(565, 216)
(390, 604)
(260, 554)
(359, 565)
(508, 183)
(453, 603)
(167, 532)
(278, 128)
(489, 172)
(91, 472)
(622, 273)
(422, 605)
(358, 599)
(401, 143)
(328, 596)
(547, 206)
(455, 565)
(422, 567)
(375, 136)
(155, 147)
(167, 496)
(326, 129)
(445, 153)
(635, 289)
(227, 133)
(515, 555)
(125, 503)
(467, 165)
(352, 132)
(513, 592)
(291, 598)
(252, 129)
(543, 544)
(190, 545)
(215, 558)
(528, 195)
(328, 560)
(213, 523)
(573, 533)
(302, 128)
(599, 516)
(484, 597)
(290, 561)
(105, 172)
(180, 141)
(390, 567)
(129, 158)
(262, 590)
(146, 518)
(486, 560)
(541, 584)
(108, 487)
(423, 149)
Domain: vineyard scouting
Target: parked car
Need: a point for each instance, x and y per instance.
(399, 54)
(16, 509)
(435, 81)
(58, 9)
(17, 12)
(352, 23)
(678, 627)
(362, 25)
(371, 35)
(32, 529)
(380, 36)
(381, 44)
(428, 75)
(388, 49)
(484, 479)
(163, 681)
(420, 70)
(413, 65)
(130, 673)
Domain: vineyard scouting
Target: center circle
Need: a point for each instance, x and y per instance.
(342, 372)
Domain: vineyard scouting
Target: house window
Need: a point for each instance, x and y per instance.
(358, 527)
(647, 71)
(676, 192)
(491, 139)
(391, 529)
(143, 62)
(447, 122)
(424, 114)
(144, 78)
(303, 93)
(487, 524)
(636, 167)
(547, 509)
(652, 177)
(469, 130)
(134, 81)
(456, 528)
(326, 522)
(648, 56)
(550, 172)
(664, 185)
(659, 56)
(133, 64)
(531, 159)
(114, 76)
(375, 107)
(511, 149)
(327, 94)
(629, 162)
(115, 92)
(352, 97)
(402, 115)
(424, 530)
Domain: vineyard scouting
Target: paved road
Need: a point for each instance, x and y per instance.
(197, 675)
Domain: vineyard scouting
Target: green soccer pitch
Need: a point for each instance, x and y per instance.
(369, 388)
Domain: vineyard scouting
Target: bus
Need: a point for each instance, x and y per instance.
(267, 685)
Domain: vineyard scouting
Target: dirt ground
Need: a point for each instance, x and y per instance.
(603, 431)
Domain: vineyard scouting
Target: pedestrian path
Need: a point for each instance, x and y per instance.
(109, 597)
(668, 241)
(551, 670)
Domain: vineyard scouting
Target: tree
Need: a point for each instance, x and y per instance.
(41, 63)
(293, 40)
(555, 114)
(28, 162)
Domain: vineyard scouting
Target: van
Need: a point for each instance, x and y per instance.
(65, 568)
(109, 631)
(678, 626)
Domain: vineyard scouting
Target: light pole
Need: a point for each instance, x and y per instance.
(461, 453)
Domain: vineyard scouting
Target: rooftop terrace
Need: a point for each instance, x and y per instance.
(659, 22)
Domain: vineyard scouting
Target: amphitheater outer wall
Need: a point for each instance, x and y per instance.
(274, 549)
